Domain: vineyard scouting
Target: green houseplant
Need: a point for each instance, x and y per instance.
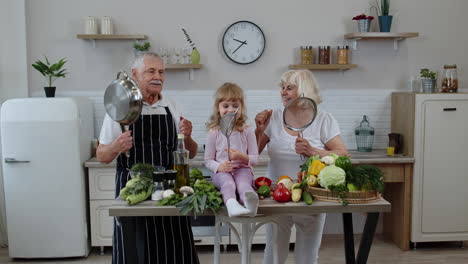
(141, 48)
(428, 80)
(385, 20)
(50, 71)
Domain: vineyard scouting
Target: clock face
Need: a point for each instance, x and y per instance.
(243, 42)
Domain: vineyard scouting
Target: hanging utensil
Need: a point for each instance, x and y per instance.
(226, 125)
(123, 101)
(299, 114)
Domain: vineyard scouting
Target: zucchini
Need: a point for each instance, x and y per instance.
(307, 197)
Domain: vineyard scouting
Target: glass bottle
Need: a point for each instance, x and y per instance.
(181, 156)
(364, 136)
(449, 79)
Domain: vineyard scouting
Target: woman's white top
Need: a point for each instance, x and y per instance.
(111, 130)
(281, 149)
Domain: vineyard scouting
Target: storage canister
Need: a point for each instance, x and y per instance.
(449, 79)
(364, 136)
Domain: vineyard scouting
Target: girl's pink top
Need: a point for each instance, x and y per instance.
(216, 143)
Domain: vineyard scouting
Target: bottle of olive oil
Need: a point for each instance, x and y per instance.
(181, 156)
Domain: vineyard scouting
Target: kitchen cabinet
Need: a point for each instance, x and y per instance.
(434, 129)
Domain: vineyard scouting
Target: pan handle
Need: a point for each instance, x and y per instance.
(125, 129)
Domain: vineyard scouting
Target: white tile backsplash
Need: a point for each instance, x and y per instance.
(347, 107)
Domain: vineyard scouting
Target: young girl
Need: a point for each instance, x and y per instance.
(236, 174)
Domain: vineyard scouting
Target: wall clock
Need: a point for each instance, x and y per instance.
(243, 42)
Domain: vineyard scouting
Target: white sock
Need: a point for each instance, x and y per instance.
(234, 208)
(251, 202)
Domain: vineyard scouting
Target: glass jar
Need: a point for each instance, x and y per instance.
(449, 79)
(324, 54)
(306, 55)
(342, 53)
(364, 136)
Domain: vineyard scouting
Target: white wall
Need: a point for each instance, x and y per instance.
(52, 26)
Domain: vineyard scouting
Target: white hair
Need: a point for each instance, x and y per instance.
(138, 62)
(305, 81)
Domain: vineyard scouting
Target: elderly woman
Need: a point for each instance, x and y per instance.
(151, 139)
(285, 146)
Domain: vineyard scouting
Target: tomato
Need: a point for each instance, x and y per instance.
(282, 194)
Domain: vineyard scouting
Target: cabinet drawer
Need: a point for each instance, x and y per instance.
(101, 183)
(101, 223)
(392, 172)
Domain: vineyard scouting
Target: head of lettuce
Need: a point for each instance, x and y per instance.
(331, 176)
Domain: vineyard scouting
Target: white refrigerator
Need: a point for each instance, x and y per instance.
(45, 142)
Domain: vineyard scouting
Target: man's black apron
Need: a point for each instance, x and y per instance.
(158, 239)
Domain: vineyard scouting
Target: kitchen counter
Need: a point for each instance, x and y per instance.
(376, 156)
(397, 175)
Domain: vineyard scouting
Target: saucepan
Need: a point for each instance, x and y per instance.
(123, 101)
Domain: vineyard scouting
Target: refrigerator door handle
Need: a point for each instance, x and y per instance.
(12, 160)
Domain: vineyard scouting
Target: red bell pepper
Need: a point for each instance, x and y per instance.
(262, 181)
(281, 194)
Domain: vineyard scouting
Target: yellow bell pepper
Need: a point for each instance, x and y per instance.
(316, 167)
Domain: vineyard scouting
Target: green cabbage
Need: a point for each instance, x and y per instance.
(331, 175)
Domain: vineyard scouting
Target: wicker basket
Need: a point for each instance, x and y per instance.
(352, 197)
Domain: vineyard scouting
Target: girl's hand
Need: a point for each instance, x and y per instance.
(304, 148)
(225, 167)
(237, 155)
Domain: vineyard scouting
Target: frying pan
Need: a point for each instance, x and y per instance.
(123, 101)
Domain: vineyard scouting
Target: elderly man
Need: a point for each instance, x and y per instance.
(151, 139)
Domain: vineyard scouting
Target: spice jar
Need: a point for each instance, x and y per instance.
(449, 79)
(306, 55)
(324, 54)
(342, 53)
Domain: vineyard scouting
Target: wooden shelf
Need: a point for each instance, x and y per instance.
(183, 66)
(189, 67)
(380, 35)
(323, 67)
(114, 36)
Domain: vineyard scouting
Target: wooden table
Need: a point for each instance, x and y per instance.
(270, 208)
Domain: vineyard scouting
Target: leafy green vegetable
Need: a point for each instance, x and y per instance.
(195, 174)
(142, 170)
(331, 175)
(136, 190)
(340, 189)
(171, 200)
(367, 176)
(305, 166)
(206, 196)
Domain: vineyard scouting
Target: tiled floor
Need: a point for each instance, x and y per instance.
(332, 252)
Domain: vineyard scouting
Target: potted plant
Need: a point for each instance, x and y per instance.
(139, 48)
(428, 80)
(51, 72)
(195, 56)
(363, 22)
(385, 20)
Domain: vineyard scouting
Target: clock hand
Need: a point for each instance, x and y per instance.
(244, 42)
(238, 48)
